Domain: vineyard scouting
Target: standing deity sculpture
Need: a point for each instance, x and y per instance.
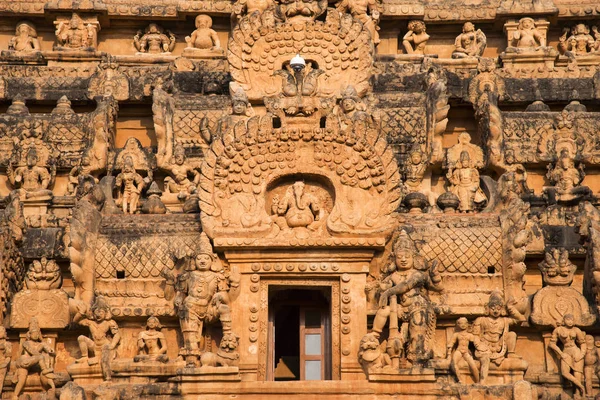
(204, 292)
(154, 40)
(496, 341)
(415, 40)
(470, 43)
(76, 34)
(527, 36)
(579, 43)
(360, 9)
(152, 343)
(405, 297)
(414, 171)
(458, 348)
(463, 161)
(180, 172)
(25, 39)
(33, 352)
(572, 354)
(130, 185)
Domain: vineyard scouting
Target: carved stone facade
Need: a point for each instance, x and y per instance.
(216, 199)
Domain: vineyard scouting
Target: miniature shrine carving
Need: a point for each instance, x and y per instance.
(154, 40)
(557, 298)
(25, 39)
(470, 43)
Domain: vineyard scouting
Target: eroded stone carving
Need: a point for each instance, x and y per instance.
(557, 298)
(458, 348)
(470, 43)
(360, 9)
(415, 40)
(497, 342)
(105, 337)
(32, 179)
(34, 353)
(76, 34)
(25, 39)
(579, 42)
(404, 296)
(204, 293)
(41, 298)
(463, 161)
(5, 355)
(152, 344)
(204, 41)
(527, 36)
(572, 354)
(227, 356)
(154, 40)
(372, 355)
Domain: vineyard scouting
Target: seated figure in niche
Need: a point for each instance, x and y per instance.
(567, 178)
(299, 208)
(527, 36)
(469, 43)
(579, 43)
(33, 352)
(31, 179)
(76, 34)
(180, 172)
(152, 344)
(204, 38)
(154, 41)
(415, 40)
(25, 39)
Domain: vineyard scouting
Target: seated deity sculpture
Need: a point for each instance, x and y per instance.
(526, 37)
(31, 179)
(25, 39)
(496, 342)
(152, 343)
(105, 335)
(204, 41)
(130, 185)
(154, 41)
(34, 353)
(416, 38)
(579, 43)
(469, 43)
(180, 173)
(404, 296)
(76, 172)
(572, 354)
(359, 9)
(76, 34)
(566, 178)
(298, 208)
(203, 296)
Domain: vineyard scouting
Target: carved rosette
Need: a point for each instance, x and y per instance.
(240, 169)
(340, 46)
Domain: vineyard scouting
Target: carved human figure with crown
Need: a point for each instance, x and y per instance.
(25, 39)
(183, 177)
(496, 341)
(154, 40)
(572, 353)
(405, 297)
(351, 110)
(241, 110)
(527, 35)
(104, 331)
(31, 179)
(360, 9)
(463, 161)
(203, 294)
(579, 43)
(76, 34)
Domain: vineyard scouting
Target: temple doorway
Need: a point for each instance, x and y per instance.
(299, 333)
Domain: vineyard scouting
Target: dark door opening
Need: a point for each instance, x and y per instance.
(299, 334)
